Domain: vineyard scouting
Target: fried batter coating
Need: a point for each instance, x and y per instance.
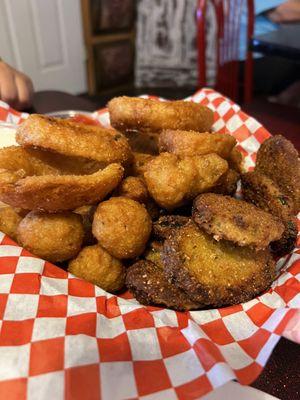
(58, 193)
(122, 226)
(191, 143)
(9, 221)
(265, 194)
(227, 184)
(134, 188)
(277, 158)
(94, 264)
(153, 253)
(39, 162)
(236, 220)
(215, 273)
(165, 225)
(87, 215)
(236, 160)
(143, 142)
(288, 240)
(53, 237)
(73, 139)
(172, 181)
(127, 113)
(139, 162)
(148, 284)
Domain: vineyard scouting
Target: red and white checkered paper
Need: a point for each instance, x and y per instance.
(63, 338)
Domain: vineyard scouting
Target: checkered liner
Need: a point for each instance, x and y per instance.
(63, 338)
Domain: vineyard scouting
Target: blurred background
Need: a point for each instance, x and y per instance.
(103, 48)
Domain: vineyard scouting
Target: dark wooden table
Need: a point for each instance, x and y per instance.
(281, 377)
(284, 42)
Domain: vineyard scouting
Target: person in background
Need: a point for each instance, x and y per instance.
(268, 15)
(16, 88)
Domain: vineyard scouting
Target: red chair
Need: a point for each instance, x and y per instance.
(228, 13)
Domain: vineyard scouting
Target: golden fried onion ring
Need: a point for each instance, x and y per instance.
(58, 193)
(71, 139)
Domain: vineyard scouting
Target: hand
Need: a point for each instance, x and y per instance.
(16, 88)
(289, 11)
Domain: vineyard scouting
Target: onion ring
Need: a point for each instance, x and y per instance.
(72, 139)
(54, 193)
(146, 115)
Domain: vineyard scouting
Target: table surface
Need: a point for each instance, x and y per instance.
(281, 376)
(284, 42)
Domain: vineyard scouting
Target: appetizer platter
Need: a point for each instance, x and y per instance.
(166, 208)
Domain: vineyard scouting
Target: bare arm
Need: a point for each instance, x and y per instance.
(289, 11)
(16, 88)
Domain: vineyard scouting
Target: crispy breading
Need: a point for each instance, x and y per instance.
(153, 252)
(122, 226)
(87, 215)
(165, 225)
(236, 220)
(143, 142)
(236, 160)
(287, 242)
(127, 113)
(96, 265)
(148, 284)
(265, 194)
(39, 162)
(73, 139)
(134, 188)
(139, 161)
(278, 159)
(9, 221)
(53, 237)
(172, 181)
(262, 191)
(191, 143)
(57, 193)
(215, 273)
(227, 184)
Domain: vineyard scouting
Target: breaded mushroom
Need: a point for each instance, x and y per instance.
(146, 281)
(278, 159)
(122, 226)
(236, 220)
(97, 266)
(215, 273)
(53, 237)
(173, 182)
(9, 221)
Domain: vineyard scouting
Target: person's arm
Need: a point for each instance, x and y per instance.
(289, 11)
(262, 6)
(16, 88)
